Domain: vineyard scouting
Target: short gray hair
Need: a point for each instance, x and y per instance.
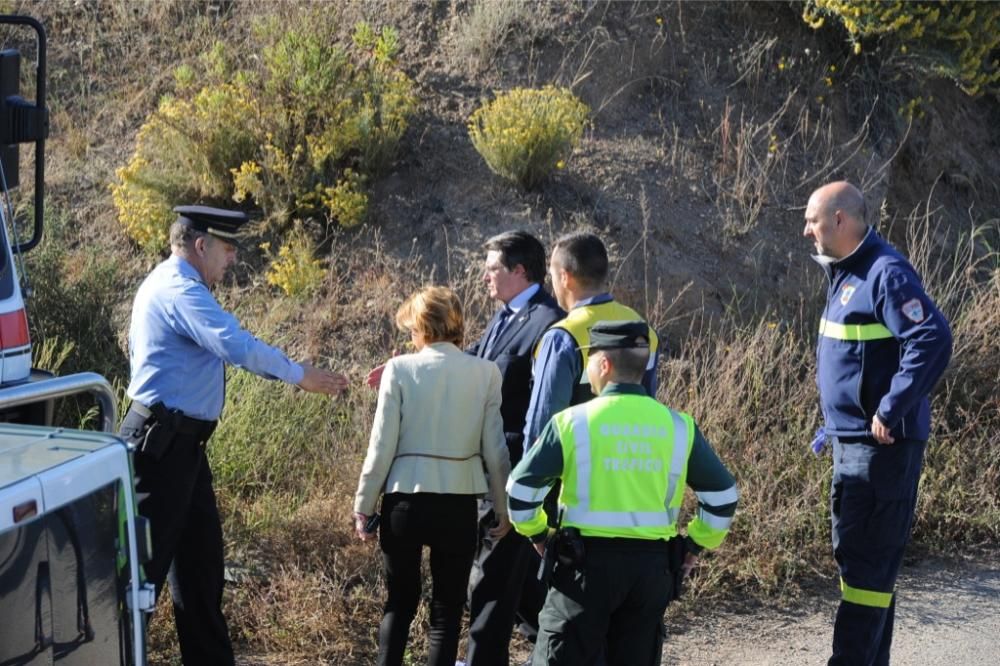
(183, 234)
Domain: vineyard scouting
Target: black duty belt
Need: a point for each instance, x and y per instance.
(626, 543)
(178, 421)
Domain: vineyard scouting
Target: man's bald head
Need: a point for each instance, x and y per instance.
(835, 219)
(844, 197)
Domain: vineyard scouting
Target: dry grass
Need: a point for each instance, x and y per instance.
(483, 29)
(305, 592)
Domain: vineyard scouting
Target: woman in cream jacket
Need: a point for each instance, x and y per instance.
(436, 426)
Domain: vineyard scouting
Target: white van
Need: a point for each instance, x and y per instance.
(71, 543)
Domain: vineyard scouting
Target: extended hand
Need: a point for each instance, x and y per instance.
(322, 381)
(374, 377)
(881, 432)
(502, 527)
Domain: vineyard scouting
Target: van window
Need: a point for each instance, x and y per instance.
(62, 586)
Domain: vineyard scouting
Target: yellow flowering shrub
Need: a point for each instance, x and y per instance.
(347, 201)
(182, 153)
(958, 39)
(294, 126)
(143, 211)
(246, 182)
(526, 133)
(296, 270)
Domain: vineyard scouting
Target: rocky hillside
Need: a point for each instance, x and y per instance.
(712, 122)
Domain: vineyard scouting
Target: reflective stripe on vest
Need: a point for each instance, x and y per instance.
(654, 428)
(579, 320)
(853, 332)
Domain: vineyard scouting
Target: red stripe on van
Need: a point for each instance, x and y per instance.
(13, 329)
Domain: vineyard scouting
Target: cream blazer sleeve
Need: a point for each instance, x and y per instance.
(494, 444)
(382, 445)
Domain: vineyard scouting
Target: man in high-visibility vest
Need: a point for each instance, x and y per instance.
(623, 459)
(578, 268)
(882, 347)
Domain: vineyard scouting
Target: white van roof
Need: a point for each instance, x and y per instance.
(46, 468)
(29, 450)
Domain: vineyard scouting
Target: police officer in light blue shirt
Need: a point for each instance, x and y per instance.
(180, 341)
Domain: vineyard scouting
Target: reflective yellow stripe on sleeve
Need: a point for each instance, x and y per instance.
(856, 595)
(854, 332)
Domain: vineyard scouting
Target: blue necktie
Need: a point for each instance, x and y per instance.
(497, 329)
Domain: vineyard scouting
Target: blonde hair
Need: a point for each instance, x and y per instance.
(435, 313)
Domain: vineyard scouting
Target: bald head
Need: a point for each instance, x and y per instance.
(835, 219)
(844, 197)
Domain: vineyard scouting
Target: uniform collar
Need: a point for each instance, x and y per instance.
(184, 267)
(870, 240)
(614, 388)
(594, 300)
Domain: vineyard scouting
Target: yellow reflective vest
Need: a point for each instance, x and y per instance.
(625, 465)
(578, 323)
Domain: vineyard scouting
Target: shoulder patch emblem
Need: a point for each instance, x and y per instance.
(846, 293)
(914, 310)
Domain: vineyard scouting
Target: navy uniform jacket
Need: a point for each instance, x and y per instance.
(512, 352)
(883, 344)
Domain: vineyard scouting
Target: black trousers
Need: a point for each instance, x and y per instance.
(503, 589)
(447, 524)
(614, 602)
(187, 543)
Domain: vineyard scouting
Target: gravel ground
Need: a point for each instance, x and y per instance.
(948, 612)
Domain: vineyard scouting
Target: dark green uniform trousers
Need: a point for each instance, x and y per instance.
(615, 600)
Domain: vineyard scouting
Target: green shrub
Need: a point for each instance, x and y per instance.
(72, 306)
(957, 40)
(297, 132)
(524, 134)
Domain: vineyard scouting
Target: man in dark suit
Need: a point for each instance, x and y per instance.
(503, 587)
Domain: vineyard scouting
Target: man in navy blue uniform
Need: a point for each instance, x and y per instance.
(882, 347)
(180, 340)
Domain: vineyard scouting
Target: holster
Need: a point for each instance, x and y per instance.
(150, 433)
(565, 547)
(676, 553)
(569, 547)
